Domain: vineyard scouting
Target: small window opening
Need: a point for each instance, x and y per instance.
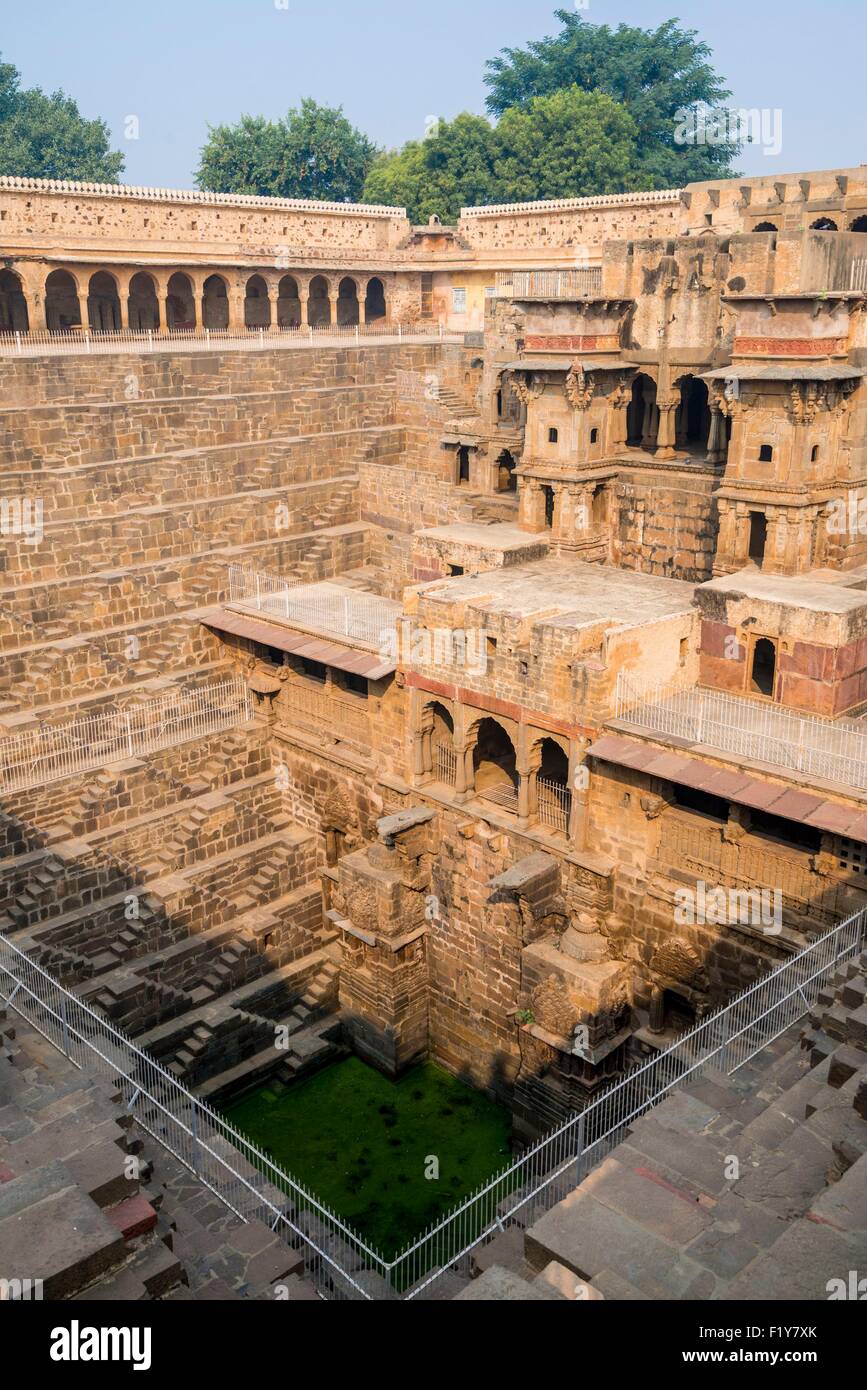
(758, 537)
(764, 666)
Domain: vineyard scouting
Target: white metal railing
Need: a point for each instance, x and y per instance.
(445, 764)
(336, 1258)
(859, 273)
(54, 751)
(364, 618)
(222, 1159)
(549, 284)
(554, 804)
(67, 342)
(752, 729)
(727, 1039)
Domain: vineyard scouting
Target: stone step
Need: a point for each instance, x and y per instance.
(51, 1230)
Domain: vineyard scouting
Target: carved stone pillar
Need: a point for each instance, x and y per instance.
(531, 505)
(666, 435)
(716, 436)
(123, 278)
(617, 417)
(304, 299)
(83, 310)
(657, 1010)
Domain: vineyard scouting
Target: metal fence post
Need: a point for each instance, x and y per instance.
(194, 1129)
(65, 1021)
(725, 1040)
(579, 1147)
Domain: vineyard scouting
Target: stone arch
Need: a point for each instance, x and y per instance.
(215, 304)
(442, 740)
(257, 305)
(859, 224)
(693, 416)
(495, 757)
(766, 227)
(180, 302)
(14, 317)
(823, 224)
(103, 303)
(547, 749)
(374, 301)
(348, 309)
(143, 303)
(642, 416)
(288, 303)
(61, 301)
(319, 303)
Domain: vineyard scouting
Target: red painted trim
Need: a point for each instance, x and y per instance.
(520, 714)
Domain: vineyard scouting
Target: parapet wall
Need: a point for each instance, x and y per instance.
(111, 221)
(572, 228)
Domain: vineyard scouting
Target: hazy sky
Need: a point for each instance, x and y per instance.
(179, 65)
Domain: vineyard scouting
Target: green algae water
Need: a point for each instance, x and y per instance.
(362, 1143)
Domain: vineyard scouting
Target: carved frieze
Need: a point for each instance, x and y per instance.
(580, 388)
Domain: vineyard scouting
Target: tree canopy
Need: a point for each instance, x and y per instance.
(313, 152)
(452, 168)
(653, 73)
(46, 137)
(569, 144)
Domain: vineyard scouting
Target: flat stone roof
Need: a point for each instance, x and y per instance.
(580, 594)
(499, 536)
(794, 591)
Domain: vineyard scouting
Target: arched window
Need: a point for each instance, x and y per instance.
(823, 224)
(374, 300)
(641, 416)
(347, 302)
(693, 417)
(553, 796)
(443, 758)
(61, 302)
(766, 227)
(318, 305)
(257, 306)
(103, 303)
(859, 224)
(495, 765)
(215, 304)
(13, 305)
(180, 302)
(288, 303)
(143, 306)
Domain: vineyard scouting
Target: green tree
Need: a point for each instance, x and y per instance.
(451, 169)
(313, 153)
(46, 137)
(571, 144)
(654, 73)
